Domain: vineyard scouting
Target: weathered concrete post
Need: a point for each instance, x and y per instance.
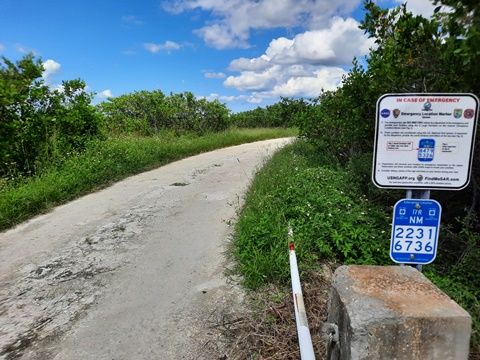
(394, 312)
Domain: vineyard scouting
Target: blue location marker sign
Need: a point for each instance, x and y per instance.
(415, 230)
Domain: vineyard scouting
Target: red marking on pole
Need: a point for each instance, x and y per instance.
(292, 245)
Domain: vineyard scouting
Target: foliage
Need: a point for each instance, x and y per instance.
(39, 125)
(412, 54)
(148, 112)
(460, 22)
(15, 82)
(409, 53)
(328, 217)
(285, 113)
(332, 218)
(339, 122)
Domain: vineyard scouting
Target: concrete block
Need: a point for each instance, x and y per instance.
(395, 312)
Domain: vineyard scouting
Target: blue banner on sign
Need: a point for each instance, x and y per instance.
(415, 231)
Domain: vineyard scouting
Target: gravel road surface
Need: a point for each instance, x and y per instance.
(134, 271)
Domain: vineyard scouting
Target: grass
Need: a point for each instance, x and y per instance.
(334, 218)
(329, 217)
(105, 162)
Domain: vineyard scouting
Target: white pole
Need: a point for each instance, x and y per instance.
(304, 338)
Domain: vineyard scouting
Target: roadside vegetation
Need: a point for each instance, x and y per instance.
(55, 146)
(321, 185)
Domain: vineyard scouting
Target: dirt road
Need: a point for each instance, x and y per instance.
(130, 272)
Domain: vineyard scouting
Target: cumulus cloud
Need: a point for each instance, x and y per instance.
(327, 78)
(288, 80)
(168, 46)
(214, 75)
(256, 64)
(336, 45)
(105, 94)
(304, 65)
(232, 20)
(51, 68)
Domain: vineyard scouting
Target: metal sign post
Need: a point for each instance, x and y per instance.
(423, 142)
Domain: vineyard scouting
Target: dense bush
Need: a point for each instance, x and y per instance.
(285, 113)
(40, 125)
(148, 112)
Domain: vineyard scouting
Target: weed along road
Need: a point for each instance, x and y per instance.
(132, 271)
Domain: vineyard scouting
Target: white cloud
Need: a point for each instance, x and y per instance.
(2, 47)
(327, 78)
(256, 64)
(51, 68)
(214, 75)
(288, 80)
(168, 45)
(336, 45)
(419, 7)
(256, 81)
(232, 20)
(304, 65)
(105, 94)
(220, 36)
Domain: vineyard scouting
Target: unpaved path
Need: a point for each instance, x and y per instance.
(132, 271)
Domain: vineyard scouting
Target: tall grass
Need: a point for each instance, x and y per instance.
(105, 162)
(330, 218)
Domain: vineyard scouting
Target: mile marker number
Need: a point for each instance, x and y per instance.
(414, 239)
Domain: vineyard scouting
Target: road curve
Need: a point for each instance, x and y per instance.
(123, 273)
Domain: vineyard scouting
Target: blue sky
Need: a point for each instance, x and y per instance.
(245, 53)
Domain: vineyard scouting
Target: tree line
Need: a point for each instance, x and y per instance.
(40, 125)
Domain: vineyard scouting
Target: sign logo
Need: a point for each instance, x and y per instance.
(457, 113)
(385, 113)
(396, 113)
(469, 113)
